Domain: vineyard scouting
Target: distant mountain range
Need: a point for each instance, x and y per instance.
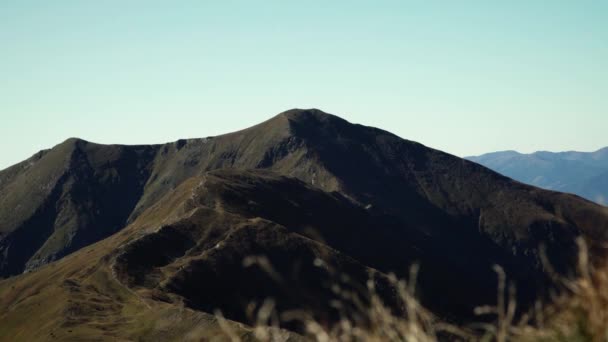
(145, 242)
(581, 173)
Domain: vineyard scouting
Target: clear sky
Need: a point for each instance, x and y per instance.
(466, 77)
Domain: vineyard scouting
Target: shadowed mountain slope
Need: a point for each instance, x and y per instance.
(63, 199)
(79, 192)
(176, 223)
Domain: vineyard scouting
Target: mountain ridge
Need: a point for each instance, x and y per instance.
(163, 221)
(580, 173)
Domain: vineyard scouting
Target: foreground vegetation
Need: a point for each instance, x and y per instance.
(578, 311)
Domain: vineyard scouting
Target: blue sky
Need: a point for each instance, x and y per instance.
(466, 77)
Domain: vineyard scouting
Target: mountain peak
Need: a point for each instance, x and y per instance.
(300, 186)
(295, 113)
(312, 115)
(73, 141)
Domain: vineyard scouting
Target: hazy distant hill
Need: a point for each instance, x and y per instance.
(581, 173)
(145, 242)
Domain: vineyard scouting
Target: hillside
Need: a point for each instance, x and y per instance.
(151, 240)
(581, 173)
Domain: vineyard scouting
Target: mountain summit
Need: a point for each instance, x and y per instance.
(171, 226)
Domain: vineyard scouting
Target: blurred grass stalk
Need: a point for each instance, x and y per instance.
(579, 312)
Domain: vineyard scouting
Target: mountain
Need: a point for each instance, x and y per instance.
(146, 242)
(581, 173)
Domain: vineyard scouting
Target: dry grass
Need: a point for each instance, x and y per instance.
(579, 312)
